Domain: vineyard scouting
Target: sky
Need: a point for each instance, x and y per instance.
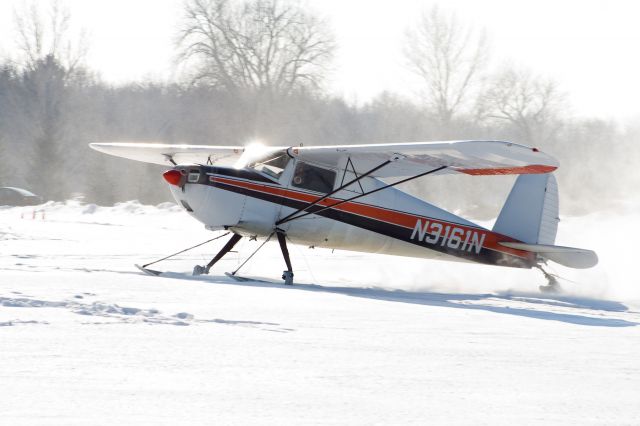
(588, 47)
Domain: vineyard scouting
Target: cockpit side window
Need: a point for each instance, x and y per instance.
(272, 165)
(313, 178)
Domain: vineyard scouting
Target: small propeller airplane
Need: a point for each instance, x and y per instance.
(338, 197)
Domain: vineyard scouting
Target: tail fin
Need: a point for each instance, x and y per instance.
(531, 211)
(531, 216)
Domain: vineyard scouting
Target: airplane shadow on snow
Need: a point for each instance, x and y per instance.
(484, 302)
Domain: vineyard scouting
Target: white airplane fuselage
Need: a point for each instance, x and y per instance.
(390, 221)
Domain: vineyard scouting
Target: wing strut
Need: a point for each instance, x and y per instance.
(357, 179)
(290, 218)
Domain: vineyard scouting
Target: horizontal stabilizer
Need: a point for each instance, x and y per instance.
(566, 256)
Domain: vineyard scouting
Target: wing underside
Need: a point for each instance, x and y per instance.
(166, 154)
(407, 159)
(468, 157)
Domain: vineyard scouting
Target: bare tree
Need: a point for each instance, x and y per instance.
(268, 46)
(530, 104)
(47, 34)
(449, 58)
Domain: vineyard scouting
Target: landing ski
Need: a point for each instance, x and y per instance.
(242, 279)
(147, 271)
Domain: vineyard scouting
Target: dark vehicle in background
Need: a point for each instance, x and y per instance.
(10, 196)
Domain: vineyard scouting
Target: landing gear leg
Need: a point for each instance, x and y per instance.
(553, 286)
(287, 275)
(199, 270)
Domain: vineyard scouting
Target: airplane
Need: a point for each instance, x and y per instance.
(340, 197)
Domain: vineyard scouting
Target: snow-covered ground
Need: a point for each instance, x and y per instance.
(86, 338)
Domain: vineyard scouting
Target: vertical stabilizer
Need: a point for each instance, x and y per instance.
(531, 211)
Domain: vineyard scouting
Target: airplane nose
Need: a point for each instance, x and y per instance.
(173, 177)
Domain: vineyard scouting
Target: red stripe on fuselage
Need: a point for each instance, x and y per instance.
(393, 217)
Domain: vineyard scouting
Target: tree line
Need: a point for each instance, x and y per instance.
(256, 69)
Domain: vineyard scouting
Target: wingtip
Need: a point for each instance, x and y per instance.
(530, 169)
(97, 146)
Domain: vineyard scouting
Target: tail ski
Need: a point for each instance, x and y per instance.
(531, 215)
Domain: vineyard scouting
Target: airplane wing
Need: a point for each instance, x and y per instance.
(157, 153)
(469, 157)
(408, 159)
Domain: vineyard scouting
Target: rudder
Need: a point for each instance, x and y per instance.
(531, 211)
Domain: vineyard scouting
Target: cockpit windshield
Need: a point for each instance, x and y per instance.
(272, 165)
